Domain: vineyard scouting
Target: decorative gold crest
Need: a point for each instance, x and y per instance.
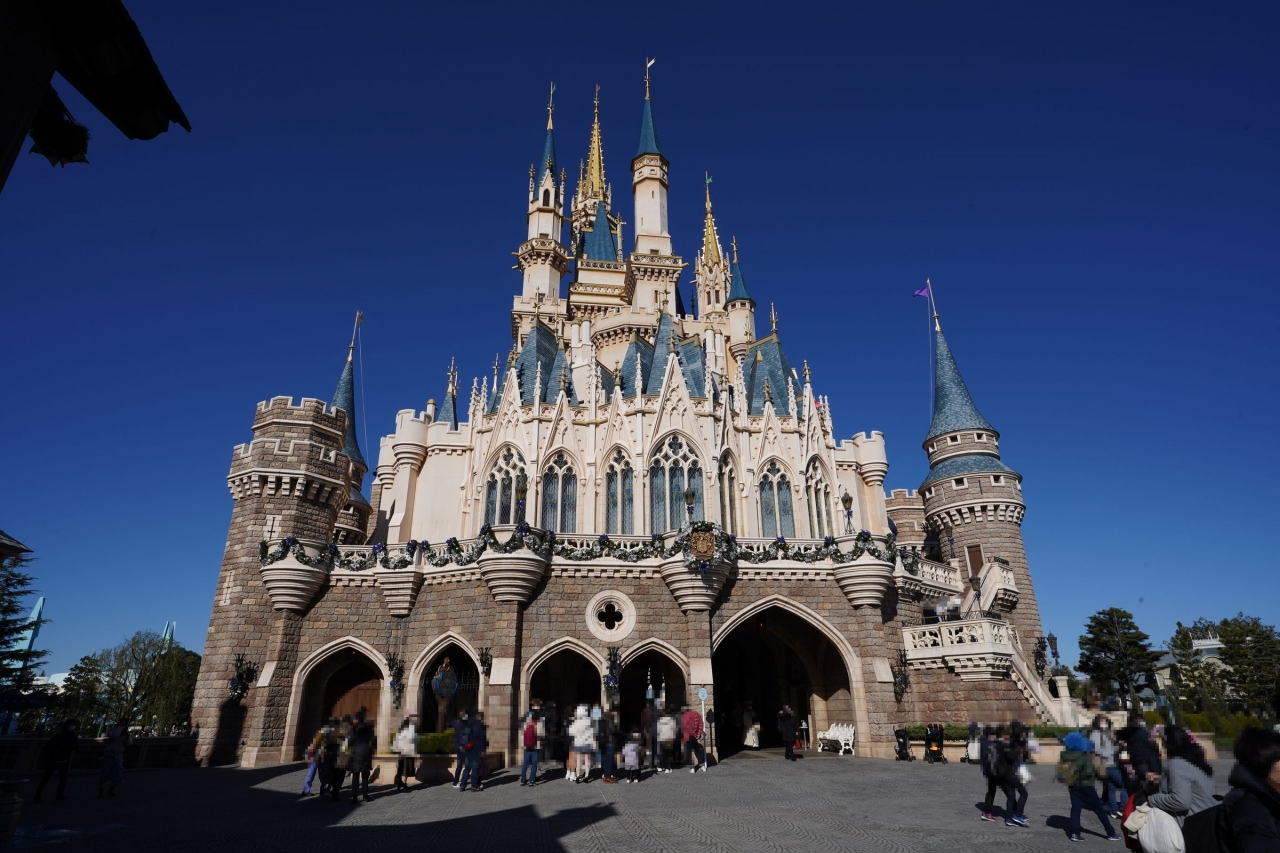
(702, 544)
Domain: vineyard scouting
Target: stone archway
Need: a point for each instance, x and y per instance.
(468, 692)
(776, 652)
(337, 680)
(566, 673)
(650, 670)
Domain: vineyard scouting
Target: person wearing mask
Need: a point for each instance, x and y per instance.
(529, 740)
(1144, 755)
(787, 728)
(1104, 747)
(361, 744)
(1082, 784)
(113, 757)
(691, 727)
(405, 746)
(460, 737)
(57, 758)
(1251, 811)
(1186, 785)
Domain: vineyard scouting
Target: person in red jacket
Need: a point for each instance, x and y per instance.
(529, 738)
(691, 728)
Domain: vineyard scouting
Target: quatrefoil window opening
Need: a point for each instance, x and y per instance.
(610, 617)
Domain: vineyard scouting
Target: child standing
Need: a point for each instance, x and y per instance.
(631, 757)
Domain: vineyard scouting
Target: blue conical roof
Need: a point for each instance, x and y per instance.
(449, 411)
(599, 245)
(953, 408)
(345, 398)
(737, 285)
(648, 134)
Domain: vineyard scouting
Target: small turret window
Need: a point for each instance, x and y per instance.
(997, 479)
(560, 496)
(776, 516)
(960, 483)
(499, 496)
(928, 493)
(953, 439)
(546, 198)
(619, 496)
(982, 436)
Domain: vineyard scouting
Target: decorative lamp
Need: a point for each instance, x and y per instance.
(1053, 647)
(847, 501)
(522, 491)
(486, 661)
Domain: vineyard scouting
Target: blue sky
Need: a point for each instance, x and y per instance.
(1091, 187)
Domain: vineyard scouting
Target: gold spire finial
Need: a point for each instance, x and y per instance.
(773, 317)
(595, 156)
(351, 350)
(551, 100)
(648, 63)
(710, 239)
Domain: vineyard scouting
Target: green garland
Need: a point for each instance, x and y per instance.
(545, 544)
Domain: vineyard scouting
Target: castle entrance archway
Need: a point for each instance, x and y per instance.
(772, 658)
(466, 696)
(343, 683)
(651, 675)
(567, 678)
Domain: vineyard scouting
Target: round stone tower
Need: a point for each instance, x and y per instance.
(973, 501)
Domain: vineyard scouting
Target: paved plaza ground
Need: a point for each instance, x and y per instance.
(755, 803)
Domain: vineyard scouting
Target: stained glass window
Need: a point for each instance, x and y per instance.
(560, 496)
(619, 496)
(675, 465)
(499, 491)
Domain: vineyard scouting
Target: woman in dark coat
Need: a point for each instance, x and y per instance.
(1252, 809)
(362, 744)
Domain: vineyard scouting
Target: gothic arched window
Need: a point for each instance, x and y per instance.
(818, 495)
(499, 497)
(546, 198)
(728, 496)
(560, 496)
(619, 499)
(776, 518)
(674, 466)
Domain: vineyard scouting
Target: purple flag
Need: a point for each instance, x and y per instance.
(924, 291)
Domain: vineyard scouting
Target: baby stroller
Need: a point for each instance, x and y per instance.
(904, 746)
(933, 753)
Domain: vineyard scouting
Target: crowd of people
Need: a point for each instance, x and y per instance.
(1134, 772)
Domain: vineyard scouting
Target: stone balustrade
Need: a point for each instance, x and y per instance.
(976, 649)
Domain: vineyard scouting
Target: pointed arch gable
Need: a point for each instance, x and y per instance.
(570, 643)
(309, 665)
(653, 644)
(435, 647)
(852, 661)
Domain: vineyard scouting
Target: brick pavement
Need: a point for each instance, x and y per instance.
(755, 804)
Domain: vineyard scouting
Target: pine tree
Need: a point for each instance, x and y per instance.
(1113, 649)
(82, 695)
(18, 666)
(1251, 651)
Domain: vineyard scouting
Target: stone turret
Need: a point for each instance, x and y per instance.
(291, 480)
(972, 500)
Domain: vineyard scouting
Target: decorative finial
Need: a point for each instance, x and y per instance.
(351, 350)
(710, 240)
(937, 327)
(595, 155)
(773, 317)
(496, 359)
(551, 99)
(648, 63)
(531, 171)
(453, 375)
(768, 393)
(664, 302)
(806, 371)
(734, 243)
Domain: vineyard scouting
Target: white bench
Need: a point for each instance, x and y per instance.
(839, 737)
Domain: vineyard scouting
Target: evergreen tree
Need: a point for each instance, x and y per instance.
(1113, 649)
(169, 690)
(1251, 651)
(18, 666)
(82, 695)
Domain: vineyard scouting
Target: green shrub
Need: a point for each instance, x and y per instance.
(439, 743)
(949, 732)
(1153, 718)
(1052, 731)
(1197, 722)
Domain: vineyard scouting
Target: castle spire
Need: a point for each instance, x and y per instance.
(595, 156)
(710, 239)
(648, 134)
(344, 397)
(449, 412)
(953, 408)
(548, 164)
(737, 284)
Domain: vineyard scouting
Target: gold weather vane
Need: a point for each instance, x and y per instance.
(648, 63)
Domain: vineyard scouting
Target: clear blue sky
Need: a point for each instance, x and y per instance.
(1092, 188)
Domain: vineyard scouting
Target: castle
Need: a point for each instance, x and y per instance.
(643, 501)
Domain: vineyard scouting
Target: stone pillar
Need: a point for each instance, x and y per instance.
(500, 690)
(698, 648)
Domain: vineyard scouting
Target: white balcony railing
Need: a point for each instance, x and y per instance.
(977, 649)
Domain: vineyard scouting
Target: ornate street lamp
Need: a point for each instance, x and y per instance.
(689, 497)
(847, 501)
(522, 491)
(975, 583)
(951, 540)
(486, 661)
(1053, 647)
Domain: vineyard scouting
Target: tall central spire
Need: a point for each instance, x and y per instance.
(548, 163)
(710, 239)
(595, 156)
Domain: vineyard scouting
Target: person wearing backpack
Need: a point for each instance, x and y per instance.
(1009, 756)
(987, 760)
(1248, 820)
(1075, 770)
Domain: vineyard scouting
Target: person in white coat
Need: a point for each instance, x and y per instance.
(405, 745)
(582, 733)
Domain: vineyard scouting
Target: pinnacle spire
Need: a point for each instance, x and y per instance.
(710, 239)
(344, 397)
(449, 412)
(737, 284)
(595, 156)
(648, 133)
(548, 163)
(953, 408)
